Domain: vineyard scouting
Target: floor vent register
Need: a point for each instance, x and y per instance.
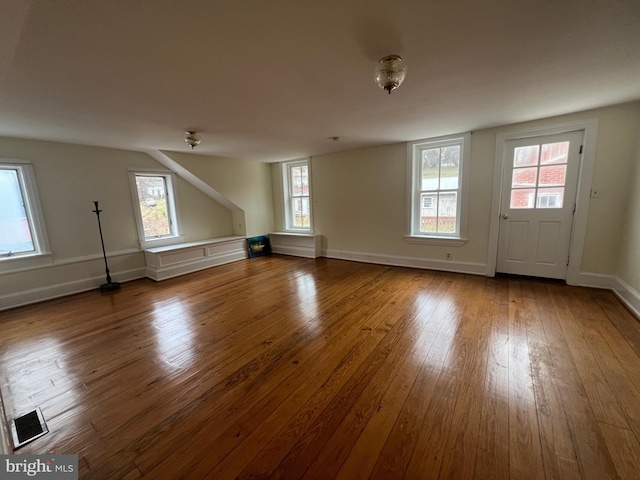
(27, 428)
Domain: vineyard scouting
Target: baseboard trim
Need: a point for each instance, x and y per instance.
(50, 292)
(625, 292)
(594, 280)
(627, 295)
(411, 262)
(293, 251)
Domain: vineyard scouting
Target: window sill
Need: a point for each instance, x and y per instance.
(20, 262)
(307, 233)
(161, 242)
(443, 241)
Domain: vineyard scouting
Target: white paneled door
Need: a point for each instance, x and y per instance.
(539, 186)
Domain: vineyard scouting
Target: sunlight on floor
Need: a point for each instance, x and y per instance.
(306, 292)
(174, 326)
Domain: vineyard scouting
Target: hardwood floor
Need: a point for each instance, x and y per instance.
(279, 367)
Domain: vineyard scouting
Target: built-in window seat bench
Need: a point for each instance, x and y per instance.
(173, 260)
(297, 244)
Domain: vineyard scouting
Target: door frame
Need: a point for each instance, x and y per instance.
(589, 130)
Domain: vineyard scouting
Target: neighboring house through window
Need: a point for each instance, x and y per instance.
(22, 229)
(156, 211)
(438, 171)
(539, 173)
(297, 195)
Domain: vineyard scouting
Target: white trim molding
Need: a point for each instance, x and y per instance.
(50, 292)
(440, 241)
(625, 292)
(627, 295)
(74, 260)
(590, 133)
(593, 280)
(411, 262)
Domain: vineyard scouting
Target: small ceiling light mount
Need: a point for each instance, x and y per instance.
(192, 138)
(390, 72)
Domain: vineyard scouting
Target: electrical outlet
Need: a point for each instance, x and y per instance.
(448, 256)
(595, 192)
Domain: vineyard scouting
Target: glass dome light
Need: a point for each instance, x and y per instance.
(390, 72)
(192, 139)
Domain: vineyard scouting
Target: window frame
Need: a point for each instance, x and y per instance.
(414, 190)
(541, 189)
(175, 223)
(287, 189)
(33, 210)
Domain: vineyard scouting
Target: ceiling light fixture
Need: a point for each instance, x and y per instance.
(390, 72)
(192, 139)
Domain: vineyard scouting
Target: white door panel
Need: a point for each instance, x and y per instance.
(547, 246)
(517, 233)
(537, 203)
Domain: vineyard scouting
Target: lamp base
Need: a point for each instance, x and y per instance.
(109, 287)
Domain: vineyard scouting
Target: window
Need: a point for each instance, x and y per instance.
(427, 202)
(437, 169)
(549, 200)
(156, 208)
(22, 231)
(539, 175)
(297, 193)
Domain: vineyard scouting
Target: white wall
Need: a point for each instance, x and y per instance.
(629, 260)
(360, 196)
(246, 184)
(69, 178)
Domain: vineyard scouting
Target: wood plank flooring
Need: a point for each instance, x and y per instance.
(280, 367)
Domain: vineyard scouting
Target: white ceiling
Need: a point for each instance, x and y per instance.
(270, 80)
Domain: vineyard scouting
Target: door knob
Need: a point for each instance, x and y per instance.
(505, 216)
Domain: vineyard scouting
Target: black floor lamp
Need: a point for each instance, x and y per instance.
(109, 286)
